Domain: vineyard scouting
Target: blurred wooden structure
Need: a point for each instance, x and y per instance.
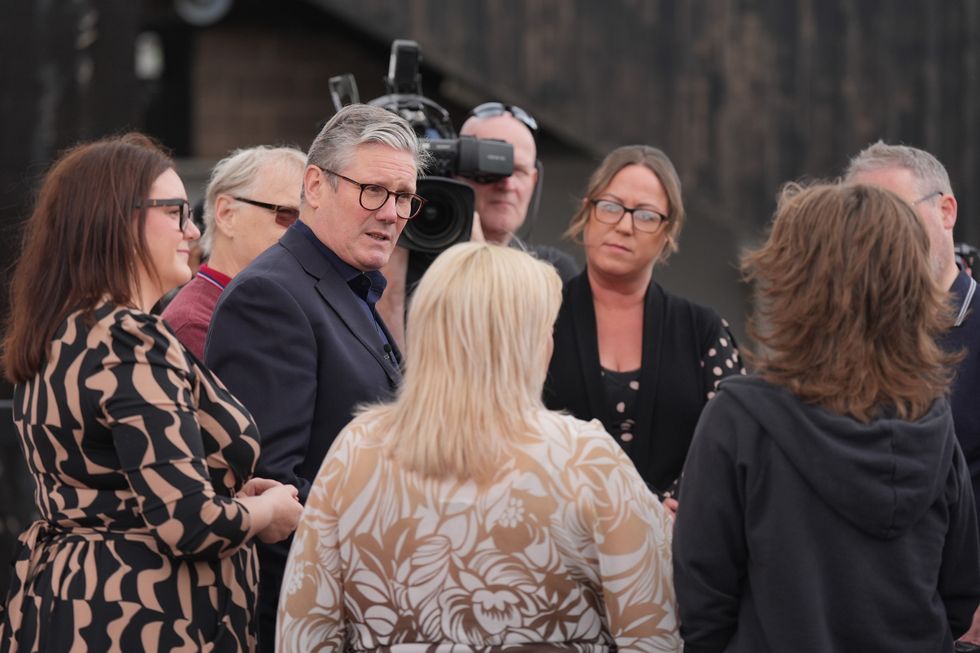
(742, 95)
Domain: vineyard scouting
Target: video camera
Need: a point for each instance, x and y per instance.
(447, 217)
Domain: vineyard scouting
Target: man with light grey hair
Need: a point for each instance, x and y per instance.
(921, 180)
(296, 336)
(251, 199)
(504, 206)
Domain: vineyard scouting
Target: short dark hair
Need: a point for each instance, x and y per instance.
(83, 242)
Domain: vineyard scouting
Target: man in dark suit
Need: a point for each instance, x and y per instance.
(295, 336)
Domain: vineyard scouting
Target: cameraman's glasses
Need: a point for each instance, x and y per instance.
(494, 109)
(609, 212)
(373, 197)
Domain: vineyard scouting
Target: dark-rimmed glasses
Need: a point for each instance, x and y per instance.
(927, 197)
(182, 204)
(373, 197)
(285, 215)
(609, 212)
(494, 109)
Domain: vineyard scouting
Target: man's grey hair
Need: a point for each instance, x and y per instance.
(927, 170)
(236, 175)
(360, 124)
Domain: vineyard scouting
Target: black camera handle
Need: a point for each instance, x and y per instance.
(413, 107)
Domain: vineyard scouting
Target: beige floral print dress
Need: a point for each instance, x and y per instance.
(565, 548)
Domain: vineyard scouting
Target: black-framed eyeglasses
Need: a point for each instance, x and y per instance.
(927, 197)
(609, 212)
(494, 109)
(373, 197)
(285, 215)
(182, 204)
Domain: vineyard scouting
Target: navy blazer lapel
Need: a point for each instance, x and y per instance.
(396, 354)
(341, 299)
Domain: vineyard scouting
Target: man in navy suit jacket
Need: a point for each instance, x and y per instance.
(295, 336)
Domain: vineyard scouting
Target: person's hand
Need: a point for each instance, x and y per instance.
(972, 636)
(256, 486)
(286, 511)
(671, 505)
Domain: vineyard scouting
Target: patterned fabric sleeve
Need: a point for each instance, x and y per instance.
(311, 613)
(632, 532)
(146, 399)
(721, 359)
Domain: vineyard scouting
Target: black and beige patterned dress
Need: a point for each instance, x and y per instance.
(137, 451)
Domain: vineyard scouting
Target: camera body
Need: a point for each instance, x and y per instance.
(447, 217)
(483, 160)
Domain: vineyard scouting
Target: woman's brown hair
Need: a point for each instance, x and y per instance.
(641, 155)
(846, 306)
(80, 244)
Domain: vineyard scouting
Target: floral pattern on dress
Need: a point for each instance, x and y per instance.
(565, 547)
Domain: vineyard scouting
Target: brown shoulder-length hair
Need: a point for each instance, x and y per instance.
(80, 244)
(847, 309)
(642, 155)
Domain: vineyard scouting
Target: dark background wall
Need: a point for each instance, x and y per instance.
(60, 82)
(743, 95)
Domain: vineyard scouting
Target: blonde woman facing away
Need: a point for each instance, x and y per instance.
(465, 514)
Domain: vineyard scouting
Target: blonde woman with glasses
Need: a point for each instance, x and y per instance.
(465, 514)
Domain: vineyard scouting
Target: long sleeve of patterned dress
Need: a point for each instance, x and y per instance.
(632, 532)
(565, 546)
(311, 613)
(137, 452)
(145, 390)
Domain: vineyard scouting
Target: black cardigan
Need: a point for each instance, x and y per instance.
(674, 385)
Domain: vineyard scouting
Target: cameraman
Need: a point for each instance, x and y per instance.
(502, 206)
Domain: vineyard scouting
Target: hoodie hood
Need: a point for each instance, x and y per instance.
(881, 476)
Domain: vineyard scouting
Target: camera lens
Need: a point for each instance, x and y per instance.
(446, 218)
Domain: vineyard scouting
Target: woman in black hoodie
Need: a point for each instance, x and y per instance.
(827, 504)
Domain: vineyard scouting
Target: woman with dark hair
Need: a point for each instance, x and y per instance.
(827, 505)
(627, 352)
(142, 460)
